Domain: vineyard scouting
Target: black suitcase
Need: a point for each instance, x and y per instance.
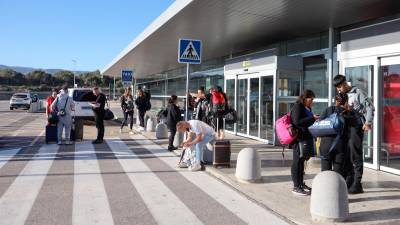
(51, 133)
(222, 152)
(77, 130)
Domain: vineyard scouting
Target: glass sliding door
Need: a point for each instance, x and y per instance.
(230, 94)
(267, 108)
(362, 77)
(242, 91)
(254, 96)
(390, 148)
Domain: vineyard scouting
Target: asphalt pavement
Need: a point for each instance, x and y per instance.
(129, 179)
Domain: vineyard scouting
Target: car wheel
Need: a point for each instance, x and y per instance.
(11, 108)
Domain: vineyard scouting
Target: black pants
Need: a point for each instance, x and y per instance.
(354, 165)
(297, 170)
(172, 133)
(334, 160)
(141, 118)
(99, 119)
(126, 115)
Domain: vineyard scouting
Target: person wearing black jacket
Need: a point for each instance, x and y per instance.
(173, 117)
(99, 112)
(127, 108)
(303, 147)
(335, 159)
(142, 105)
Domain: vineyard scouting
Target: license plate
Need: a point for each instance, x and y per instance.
(86, 107)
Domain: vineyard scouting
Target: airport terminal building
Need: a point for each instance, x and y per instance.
(265, 53)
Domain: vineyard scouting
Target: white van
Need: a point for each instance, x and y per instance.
(82, 97)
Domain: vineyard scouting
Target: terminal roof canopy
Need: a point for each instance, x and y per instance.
(233, 26)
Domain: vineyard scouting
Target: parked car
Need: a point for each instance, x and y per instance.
(82, 97)
(22, 100)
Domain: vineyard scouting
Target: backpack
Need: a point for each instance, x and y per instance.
(218, 102)
(284, 130)
(231, 116)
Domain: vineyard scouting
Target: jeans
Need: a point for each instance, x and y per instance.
(64, 123)
(172, 131)
(126, 115)
(99, 119)
(141, 118)
(200, 146)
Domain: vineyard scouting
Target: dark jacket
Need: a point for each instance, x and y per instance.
(141, 103)
(301, 121)
(124, 104)
(201, 110)
(173, 116)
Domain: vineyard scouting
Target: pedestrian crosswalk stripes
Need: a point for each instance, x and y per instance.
(19, 198)
(233, 201)
(90, 203)
(7, 155)
(163, 192)
(161, 201)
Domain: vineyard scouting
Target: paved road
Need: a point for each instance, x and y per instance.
(127, 180)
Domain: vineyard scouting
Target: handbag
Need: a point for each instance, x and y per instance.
(332, 125)
(108, 114)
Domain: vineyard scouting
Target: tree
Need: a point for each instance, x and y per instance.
(11, 77)
(64, 77)
(38, 77)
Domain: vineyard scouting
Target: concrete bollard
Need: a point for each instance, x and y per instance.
(178, 139)
(329, 201)
(161, 131)
(150, 125)
(248, 168)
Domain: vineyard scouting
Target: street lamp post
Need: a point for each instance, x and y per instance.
(74, 61)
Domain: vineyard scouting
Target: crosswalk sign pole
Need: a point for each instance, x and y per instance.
(187, 93)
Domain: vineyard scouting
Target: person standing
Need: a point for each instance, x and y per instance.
(99, 112)
(303, 147)
(364, 115)
(142, 106)
(64, 106)
(173, 117)
(50, 101)
(201, 109)
(219, 104)
(127, 106)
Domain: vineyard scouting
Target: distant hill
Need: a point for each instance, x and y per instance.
(26, 70)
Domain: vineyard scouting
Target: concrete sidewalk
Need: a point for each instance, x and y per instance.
(378, 205)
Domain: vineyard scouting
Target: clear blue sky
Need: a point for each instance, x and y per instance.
(49, 33)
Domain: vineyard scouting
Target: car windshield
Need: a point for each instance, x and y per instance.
(20, 96)
(83, 96)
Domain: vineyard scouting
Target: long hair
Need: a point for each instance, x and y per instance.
(306, 94)
(172, 99)
(128, 92)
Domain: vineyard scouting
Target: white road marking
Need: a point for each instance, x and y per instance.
(245, 209)
(163, 204)
(90, 203)
(6, 155)
(19, 198)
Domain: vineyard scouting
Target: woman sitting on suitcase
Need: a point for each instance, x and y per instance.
(335, 158)
(203, 134)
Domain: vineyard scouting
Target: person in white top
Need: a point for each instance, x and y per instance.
(64, 105)
(199, 135)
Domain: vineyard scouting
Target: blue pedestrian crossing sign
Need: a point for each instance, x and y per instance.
(127, 77)
(189, 51)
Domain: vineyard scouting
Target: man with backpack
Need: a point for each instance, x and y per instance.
(364, 114)
(219, 104)
(201, 108)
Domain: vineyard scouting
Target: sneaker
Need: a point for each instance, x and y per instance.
(172, 148)
(195, 167)
(182, 165)
(97, 141)
(356, 188)
(59, 143)
(299, 191)
(68, 143)
(131, 132)
(306, 188)
(120, 131)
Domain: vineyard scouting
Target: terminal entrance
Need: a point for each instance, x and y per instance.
(254, 105)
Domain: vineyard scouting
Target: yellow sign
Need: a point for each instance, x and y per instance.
(246, 63)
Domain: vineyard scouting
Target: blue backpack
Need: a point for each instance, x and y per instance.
(333, 125)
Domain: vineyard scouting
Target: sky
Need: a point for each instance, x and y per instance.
(49, 34)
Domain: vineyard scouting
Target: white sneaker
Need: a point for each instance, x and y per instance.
(195, 167)
(68, 143)
(131, 132)
(120, 131)
(59, 143)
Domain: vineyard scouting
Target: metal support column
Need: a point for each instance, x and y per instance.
(330, 65)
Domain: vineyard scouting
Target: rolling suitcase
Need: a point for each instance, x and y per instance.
(51, 133)
(77, 130)
(222, 152)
